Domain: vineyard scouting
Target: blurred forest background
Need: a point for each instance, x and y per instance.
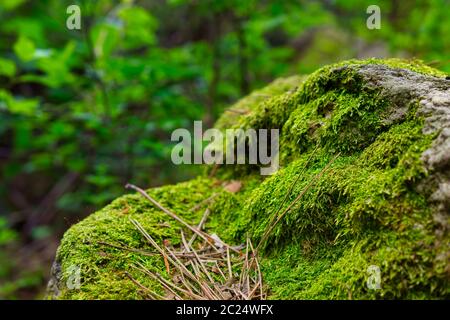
(82, 112)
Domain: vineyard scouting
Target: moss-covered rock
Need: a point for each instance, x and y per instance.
(385, 200)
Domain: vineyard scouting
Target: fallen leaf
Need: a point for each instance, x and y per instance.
(234, 186)
(126, 209)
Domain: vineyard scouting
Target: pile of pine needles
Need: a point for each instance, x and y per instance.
(205, 267)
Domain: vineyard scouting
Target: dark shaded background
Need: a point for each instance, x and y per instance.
(82, 112)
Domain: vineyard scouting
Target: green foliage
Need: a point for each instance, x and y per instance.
(6, 234)
(99, 104)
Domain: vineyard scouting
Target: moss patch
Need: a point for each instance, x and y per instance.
(370, 208)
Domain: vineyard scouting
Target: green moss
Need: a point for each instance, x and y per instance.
(412, 65)
(252, 103)
(103, 267)
(367, 209)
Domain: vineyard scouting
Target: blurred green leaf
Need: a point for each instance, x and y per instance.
(41, 232)
(139, 26)
(6, 235)
(10, 4)
(24, 49)
(17, 105)
(7, 67)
